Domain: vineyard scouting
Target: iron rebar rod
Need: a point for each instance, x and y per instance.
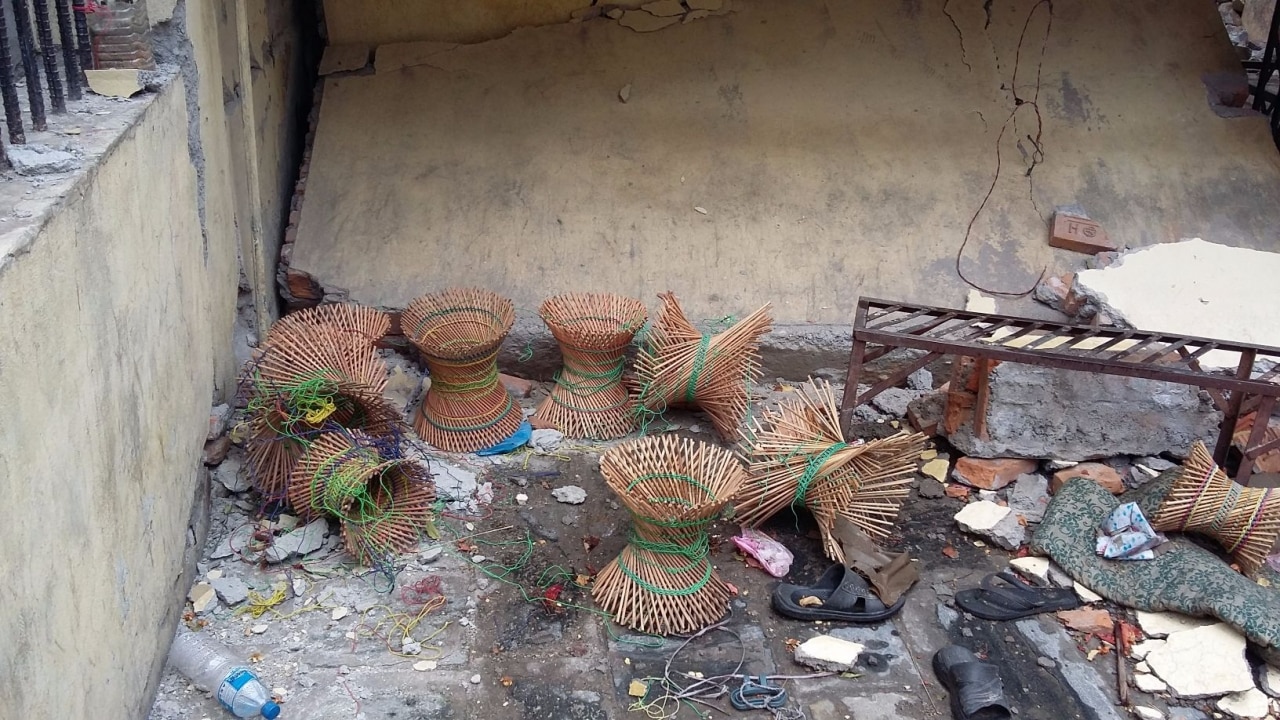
(70, 59)
(26, 47)
(82, 36)
(9, 90)
(49, 55)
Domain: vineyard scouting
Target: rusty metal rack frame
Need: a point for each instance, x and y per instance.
(988, 337)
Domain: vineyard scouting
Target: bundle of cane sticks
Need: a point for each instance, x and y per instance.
(318, 368)
(683, 367)
(1244, 520)
(384, 504)
(797, 457)
(594, 331)
(458, 332)
(663, 582)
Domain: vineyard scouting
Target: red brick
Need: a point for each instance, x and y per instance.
(517, 386)
(215, 451)
(302, 286)
(991, 474)
(1104, 475)
(1087, 620)
(1079, 235)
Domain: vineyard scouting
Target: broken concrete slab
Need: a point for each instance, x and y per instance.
(37, 159)
(1147, 713)
(1149, 683)
(1086, 595)
(894, 401)
(1193, 288)
(829, 653)
(1269, 680)
(303, 541)
(993, 522)
(1103, 475)
(1252, 704)
(545, 440)
(1139, 651)
(991, 474)
(231, 475)
(203, 598)
(231, 590)
(1036, 568)
(1030, 496)
(1038, 412)
(1203, 662)
(115, 82)
(570, 495)
(456, 485)
(1163, 624)
(1087, 620)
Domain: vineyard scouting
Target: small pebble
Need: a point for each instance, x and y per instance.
(339, 613)
(475, 679)
(521, 498)
(1046, 663)
(424, 665)
(477, 559)
(258, 629)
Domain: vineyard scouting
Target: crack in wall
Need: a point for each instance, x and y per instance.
(964, 53)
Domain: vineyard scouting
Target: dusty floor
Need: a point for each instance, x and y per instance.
(498, 651)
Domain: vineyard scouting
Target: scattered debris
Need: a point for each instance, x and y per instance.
(991, 474)
(625, 93)
(1140, 650)
(1163, 624)
(957, 491)
(638, 688)
(522, 499)
(976, 302)
(1148, 683)
(937, 469)
(232, 591)
(1087, 620)
(1147, 713)
(894, 401)
(1086, 595)
(931, 488)
(230, 474)
(303, 541)
(546, 440)
(1203, 662)
(772, 555)
(1251, 704)
(1104, 475)
(424, 665)
(829, 653)
(203, 598)
(1270, 681)
(1036, 568)
(570, 494)
(339, 613)
(37, 159)
(993, 522)
(1030, 496)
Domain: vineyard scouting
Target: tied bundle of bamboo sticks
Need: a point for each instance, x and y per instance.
(797, 456)
(316, 372)
(458, 332)
(663, 582)
(682, 367)
(1244, 520)
(383, 504)
(594, 331)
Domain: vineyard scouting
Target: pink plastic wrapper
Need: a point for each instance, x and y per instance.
(772, 555)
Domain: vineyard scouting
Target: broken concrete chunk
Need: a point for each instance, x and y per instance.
(231, 591)
(1055, 291)
(456, 485)
(546, 440)
(1086, 595)
(936, 469)
(642, 21)
(932, 489)
(1163, 624)
(1149, 683)
(570, 494)
(203, 598)
(37, 159)
(1139, 651)
(1030, 496)
(1104, 475)
(1158, 464)
(219, 419)
(991, 474)
(993, 522)
(237, 541)
(303, 541)
(1147, 713)
(1252, 704)
(894, 401)
(230, 474)
(979, 303)
(215, 450)
(925, 412)
(1270, 681)
(1203, 662)
(921, 380)
(344, 58)
(1036, 568)
(1040, 412)
(828, 653)
(119, 83)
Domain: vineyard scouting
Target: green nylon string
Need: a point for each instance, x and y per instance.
(811, 469)
(699, 361)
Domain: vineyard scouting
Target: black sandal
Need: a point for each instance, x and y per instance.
(1012, 598)
(844, 595)
(976, 691)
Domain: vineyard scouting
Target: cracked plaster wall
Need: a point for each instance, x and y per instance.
(375, 22)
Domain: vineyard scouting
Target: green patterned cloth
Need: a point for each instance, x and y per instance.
(1184, 577)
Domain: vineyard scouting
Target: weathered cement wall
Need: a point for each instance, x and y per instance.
(117, 320)
(119, 304)
(376, 22)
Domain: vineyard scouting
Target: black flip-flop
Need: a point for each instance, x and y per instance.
(844, 595)
(1004, 596)
(976, 691)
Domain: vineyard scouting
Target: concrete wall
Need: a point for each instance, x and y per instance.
(375, 22)
(119, 300)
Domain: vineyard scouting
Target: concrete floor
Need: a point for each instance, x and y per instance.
(839, 149)
(570, 663)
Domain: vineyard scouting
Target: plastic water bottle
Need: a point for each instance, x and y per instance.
(209, 668)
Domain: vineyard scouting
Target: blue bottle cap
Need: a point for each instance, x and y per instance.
(270, 710)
